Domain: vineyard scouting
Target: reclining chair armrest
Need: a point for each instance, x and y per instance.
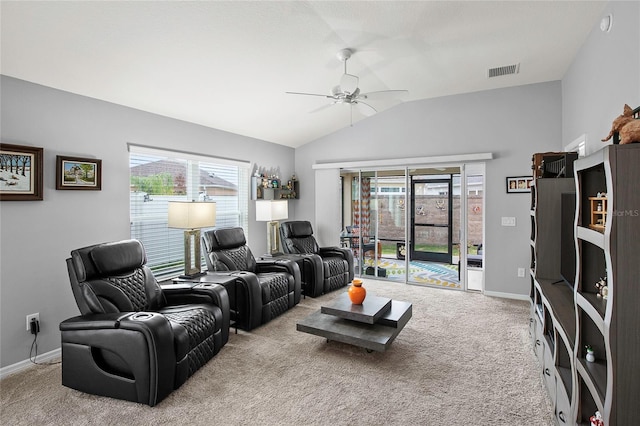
(136, 358)
(313, 274)
(278, 265)
(195, 293)
(218, 295)
(192, 293)
(335, 251)
(95, 321)
(283, 265)
(344, 253)
(152, 325)
(250, 299)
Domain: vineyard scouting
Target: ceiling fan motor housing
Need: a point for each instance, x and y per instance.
(344, 54)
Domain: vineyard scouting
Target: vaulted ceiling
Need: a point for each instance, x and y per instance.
(228, 64)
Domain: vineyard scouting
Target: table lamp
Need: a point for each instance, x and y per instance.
(192, 216)
(272, 211)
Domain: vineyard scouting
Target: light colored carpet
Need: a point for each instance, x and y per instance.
(463, 359)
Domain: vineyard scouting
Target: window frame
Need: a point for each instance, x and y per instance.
(164, 245)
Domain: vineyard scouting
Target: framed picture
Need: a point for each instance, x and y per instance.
(20, 173)
(519, 184)
(78, 173)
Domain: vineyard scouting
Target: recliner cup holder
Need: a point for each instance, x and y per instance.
(141, 316)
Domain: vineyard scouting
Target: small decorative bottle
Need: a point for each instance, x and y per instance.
(591, 356)
(357, 293)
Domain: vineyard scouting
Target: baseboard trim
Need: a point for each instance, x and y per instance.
(23, 365)
(506, 295)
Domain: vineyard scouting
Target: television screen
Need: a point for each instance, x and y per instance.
(567, 245)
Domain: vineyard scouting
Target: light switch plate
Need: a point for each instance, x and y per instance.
(508, 221)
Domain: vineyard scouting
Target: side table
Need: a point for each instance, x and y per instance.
(226, 280)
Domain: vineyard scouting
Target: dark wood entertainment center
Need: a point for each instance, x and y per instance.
(566, 317)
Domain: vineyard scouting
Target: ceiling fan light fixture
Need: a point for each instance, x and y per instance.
(349, 83)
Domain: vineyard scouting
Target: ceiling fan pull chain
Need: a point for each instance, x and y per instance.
(351, 111)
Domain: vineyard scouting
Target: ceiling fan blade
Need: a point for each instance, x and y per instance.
(384, 94)
(309, 94)
(368, 111)
(322, 108)
(349, 83)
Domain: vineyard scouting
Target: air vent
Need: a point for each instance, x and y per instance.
(505, 70)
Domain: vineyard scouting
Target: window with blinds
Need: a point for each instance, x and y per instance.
(159, 176)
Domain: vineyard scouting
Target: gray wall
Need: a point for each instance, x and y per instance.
(511, 123)
(603, 77)
(37, 236)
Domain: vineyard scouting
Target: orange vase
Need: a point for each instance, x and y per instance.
(357, 293)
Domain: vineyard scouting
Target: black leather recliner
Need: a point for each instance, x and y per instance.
(135, 340)
(265, 288)
(335, 263)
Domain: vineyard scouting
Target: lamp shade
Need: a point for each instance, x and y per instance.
(270, 210)
(191, 215)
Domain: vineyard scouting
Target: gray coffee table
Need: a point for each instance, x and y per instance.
(373, 325)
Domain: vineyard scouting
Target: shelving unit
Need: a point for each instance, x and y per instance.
(264, 188)
(553, 321)
(608, 249)
(564, 319)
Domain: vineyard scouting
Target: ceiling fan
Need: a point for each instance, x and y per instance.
(348, 92)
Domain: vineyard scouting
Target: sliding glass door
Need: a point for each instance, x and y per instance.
(406, 224)
(374, 220)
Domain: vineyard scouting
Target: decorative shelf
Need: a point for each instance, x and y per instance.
(606, 244)
(272, 188)
(598, 207)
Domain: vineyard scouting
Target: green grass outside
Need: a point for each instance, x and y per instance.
(389, 249)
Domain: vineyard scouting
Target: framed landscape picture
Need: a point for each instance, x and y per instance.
(78, 173)
(20, 173)
(519, 184)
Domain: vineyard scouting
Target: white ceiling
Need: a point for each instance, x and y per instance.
(227, 65)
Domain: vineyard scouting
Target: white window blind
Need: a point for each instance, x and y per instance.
(160, 176)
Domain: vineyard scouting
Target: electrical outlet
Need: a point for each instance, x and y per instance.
(521, 272)
(508, 221)
(30, 317)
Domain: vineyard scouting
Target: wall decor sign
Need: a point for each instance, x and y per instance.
(519, 184)
(20, 173)
(78, 173)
